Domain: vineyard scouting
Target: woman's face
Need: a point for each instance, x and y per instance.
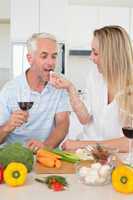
(95, 56)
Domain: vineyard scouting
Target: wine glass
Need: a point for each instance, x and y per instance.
(25, 105)
(125, 100)
(25, 101)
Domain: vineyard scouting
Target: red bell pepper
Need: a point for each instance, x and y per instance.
(1, 173)
(57, 186)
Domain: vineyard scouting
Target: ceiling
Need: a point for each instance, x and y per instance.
(128, 3)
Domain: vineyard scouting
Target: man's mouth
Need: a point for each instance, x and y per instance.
(48, 70)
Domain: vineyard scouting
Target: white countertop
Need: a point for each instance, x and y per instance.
(33, 190)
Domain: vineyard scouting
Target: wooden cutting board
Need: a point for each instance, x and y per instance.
(66, 168)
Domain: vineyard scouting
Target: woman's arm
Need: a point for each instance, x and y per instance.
(120, 143)
(77, 105)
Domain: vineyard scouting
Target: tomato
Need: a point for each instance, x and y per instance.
(56, 186)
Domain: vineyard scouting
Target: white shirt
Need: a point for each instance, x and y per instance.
(105, 124)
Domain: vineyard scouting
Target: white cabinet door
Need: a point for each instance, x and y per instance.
(24, 19)
(131, 24)
(4, 9)
(4, 46)
(82, 20)
(114, 16)
(53, 17)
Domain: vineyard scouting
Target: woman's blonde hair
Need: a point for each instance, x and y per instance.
(116, 57)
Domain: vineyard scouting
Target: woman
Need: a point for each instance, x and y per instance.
(113, 54)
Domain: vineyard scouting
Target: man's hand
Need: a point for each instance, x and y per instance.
(16, 120)
(34, 145)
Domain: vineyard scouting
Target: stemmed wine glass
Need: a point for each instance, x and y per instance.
(125, 99)
(25, 101)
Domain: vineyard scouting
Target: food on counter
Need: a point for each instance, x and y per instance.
(1, 173)
(84, 154)
(46, 153)
(53, 157)
(17, 153)
(122, 179)
(100, 154)
(54, 182)
(96, 174)
(66, 156)
(15, 174)
(48, 159)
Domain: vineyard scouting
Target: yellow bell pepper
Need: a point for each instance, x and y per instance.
(15, 174)
(122, 179)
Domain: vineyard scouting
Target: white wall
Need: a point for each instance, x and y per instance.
(5, 63)
(4, 41)
(4, 45)
(4, 9)
(78, 68)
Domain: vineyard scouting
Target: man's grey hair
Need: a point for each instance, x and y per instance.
(31, 42)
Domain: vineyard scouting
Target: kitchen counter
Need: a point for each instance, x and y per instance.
(33, 190)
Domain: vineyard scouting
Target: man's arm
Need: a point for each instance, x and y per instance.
(16, 120)
(56, 136)
(60, 130)
(120, 143)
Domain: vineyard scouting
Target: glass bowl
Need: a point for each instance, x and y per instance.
(94, 174)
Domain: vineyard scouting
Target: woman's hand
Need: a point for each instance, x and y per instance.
(71, 145)
(59, 82)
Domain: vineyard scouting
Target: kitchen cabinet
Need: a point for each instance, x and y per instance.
(32, 16)
(24, 19)
(82, 20)
(4, 46)
(53, 17)
(4, 9)
(114, 16)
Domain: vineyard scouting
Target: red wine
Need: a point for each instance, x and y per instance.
(128, 132)
(25, 105)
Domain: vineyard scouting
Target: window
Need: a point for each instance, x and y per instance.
(20, 63)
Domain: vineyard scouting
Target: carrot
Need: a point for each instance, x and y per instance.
(57, 163)
(45, 153)
(46, 161)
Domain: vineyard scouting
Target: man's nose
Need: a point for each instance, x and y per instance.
(50, 61)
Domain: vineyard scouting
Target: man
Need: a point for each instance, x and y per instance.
(47, 122)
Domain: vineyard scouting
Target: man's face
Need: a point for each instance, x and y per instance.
(43, 59)
(95, 57)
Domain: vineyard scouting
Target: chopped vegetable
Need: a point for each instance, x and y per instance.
(46, 153)
(100, 153)
(15, 174)
(57, 186)
(57, 183)
(48, 159)
(67, 156)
